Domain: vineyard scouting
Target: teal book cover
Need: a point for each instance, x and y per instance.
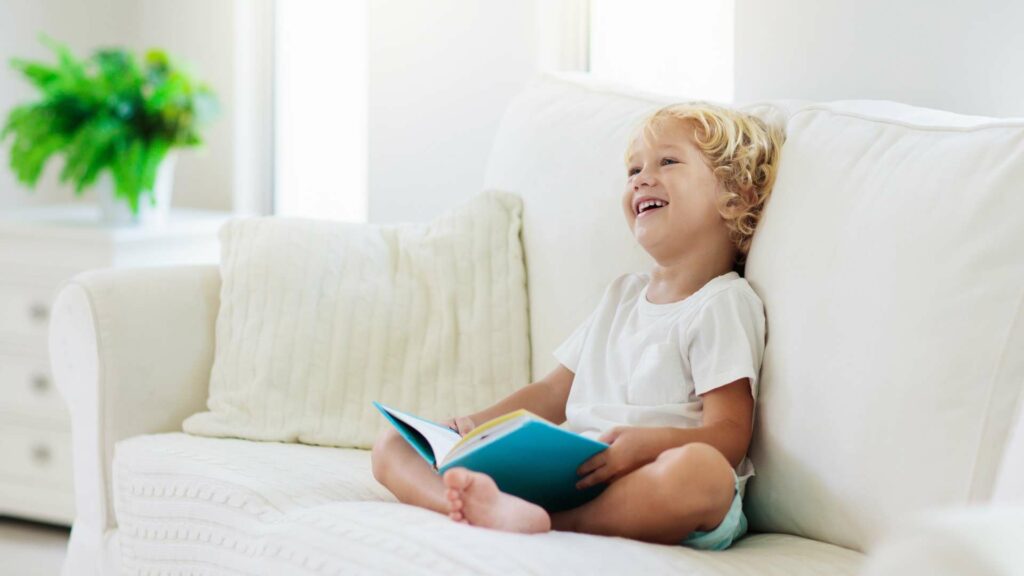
(526, 455)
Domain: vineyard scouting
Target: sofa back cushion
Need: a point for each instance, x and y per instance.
(888, 260)
(319, 318)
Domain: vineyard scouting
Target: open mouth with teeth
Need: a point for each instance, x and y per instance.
(649, 206)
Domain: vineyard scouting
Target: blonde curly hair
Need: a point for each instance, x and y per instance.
(742, 151)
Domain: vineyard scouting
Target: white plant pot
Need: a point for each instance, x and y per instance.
(116, 211)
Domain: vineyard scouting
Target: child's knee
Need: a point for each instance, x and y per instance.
(698, 469)
(692, 455)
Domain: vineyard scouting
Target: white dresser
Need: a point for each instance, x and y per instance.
(40, 249)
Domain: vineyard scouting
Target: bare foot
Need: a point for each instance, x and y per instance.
(474, 498)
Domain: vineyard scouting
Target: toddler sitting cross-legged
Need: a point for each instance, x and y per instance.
(665, 369)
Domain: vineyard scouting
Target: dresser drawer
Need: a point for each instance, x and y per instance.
(35, 456)
(27, 388)
(25, 309)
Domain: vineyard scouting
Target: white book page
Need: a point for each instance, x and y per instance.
(440, 438)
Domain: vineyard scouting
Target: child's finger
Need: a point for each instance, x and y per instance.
(595, 477)
(465, 425)
(609, 436)
(590, 465)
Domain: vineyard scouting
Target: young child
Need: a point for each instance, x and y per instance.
(665, 369)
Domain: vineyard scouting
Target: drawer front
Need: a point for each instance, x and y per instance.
(35, 456)
(27, 388)
(25, 309)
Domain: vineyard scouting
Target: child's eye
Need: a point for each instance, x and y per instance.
(633, 171)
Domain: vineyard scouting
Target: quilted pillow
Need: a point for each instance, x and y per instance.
(318, 318)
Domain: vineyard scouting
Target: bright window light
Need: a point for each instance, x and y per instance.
(321, 85)
(680, 47)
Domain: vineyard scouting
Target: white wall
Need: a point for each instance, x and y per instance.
(441, 74)
(960, 56)
(200, 35)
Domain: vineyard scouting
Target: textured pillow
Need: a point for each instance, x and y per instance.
(318, 318)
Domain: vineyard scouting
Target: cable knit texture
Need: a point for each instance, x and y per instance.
(318, 318)
(203, 506)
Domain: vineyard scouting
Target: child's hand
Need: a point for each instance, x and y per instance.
(461, 424)
(631, 448)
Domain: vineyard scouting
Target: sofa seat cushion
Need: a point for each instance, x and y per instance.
(188, 504)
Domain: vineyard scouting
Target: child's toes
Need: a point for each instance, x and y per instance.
(454, 500)
(456, 479)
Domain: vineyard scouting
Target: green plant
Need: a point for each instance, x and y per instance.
(110, 111)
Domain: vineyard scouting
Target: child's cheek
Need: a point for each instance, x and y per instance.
(627, 212)
(627, 209)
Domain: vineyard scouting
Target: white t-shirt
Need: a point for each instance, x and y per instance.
(643, 364)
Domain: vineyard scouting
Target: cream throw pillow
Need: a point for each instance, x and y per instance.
(318, 318)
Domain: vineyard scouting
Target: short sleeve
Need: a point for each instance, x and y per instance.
(569, 352)
(727, 340)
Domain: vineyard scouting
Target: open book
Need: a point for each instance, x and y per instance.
(526, 455)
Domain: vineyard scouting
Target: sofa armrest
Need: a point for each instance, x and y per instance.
(131, 351)
(981, 541)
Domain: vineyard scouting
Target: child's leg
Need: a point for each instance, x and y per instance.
(687, 488)
(406, 474)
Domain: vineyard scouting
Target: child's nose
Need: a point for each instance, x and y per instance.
(642, 178)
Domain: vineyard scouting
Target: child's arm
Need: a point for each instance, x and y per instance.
(728, 425)
(545, 398)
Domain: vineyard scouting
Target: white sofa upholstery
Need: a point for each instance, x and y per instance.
(132, 352)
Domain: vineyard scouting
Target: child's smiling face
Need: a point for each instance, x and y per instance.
(670, 171)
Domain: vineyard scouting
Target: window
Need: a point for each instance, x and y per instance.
(321, 81)
(312, 159)
(680, 47)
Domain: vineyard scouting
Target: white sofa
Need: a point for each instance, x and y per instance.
(887, 440)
